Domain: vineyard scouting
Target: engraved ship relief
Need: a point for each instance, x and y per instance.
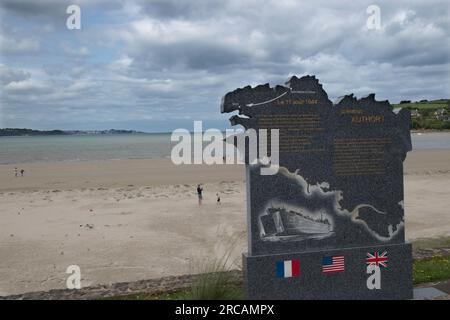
(279, 224)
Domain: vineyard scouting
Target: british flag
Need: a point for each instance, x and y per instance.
(377, 259)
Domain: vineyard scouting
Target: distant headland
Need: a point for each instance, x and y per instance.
(30, 132)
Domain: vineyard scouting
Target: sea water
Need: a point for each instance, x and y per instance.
(29, 149)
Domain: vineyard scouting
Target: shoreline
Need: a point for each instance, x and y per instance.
(136, 133)
(68, 175)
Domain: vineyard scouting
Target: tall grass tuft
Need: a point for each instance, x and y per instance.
(216, 281)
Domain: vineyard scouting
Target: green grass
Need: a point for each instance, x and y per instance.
(432, 124)
(435, 104)
(427, 119)
(431, 269)
(422, 106)
(215, 281)
(213, 286)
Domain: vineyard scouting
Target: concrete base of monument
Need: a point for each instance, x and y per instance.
(332, 274)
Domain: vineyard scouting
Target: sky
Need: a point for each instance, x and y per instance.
(160, 65)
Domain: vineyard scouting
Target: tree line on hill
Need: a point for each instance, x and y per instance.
(434, 114)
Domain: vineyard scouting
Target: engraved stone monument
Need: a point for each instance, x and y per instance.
(330, 223)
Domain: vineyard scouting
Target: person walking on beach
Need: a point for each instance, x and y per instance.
(199, 193)
(15, 172)
(218, 198)
(22, 172)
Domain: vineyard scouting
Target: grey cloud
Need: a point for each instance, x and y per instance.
(28, 7)
(171, 61)
(167, 9)
(53, 8)
(13, 46)
(8, 75)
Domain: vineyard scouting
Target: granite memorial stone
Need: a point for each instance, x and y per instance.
(330, 223)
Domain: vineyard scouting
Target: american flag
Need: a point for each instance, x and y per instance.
(333, 264)
(377, 259)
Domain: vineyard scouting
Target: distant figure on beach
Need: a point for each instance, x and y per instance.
(15, 172)
(22, 172)
(218, 198)
(199, 193)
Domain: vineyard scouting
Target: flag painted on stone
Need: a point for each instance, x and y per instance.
(377, 259)
(288, 268)
(333, 264)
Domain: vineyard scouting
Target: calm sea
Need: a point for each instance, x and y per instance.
(133, 146)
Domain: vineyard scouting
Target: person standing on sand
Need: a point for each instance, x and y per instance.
(218, 198)
(199, 193)
(22, 172)
(15, 172)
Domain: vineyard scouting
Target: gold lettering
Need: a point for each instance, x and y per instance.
(367, 119)
(296, 102)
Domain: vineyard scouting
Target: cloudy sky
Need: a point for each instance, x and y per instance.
(159, 65)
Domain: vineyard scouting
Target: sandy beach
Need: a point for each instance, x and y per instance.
(128, 220)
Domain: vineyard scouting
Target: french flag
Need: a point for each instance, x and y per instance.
(288, 268)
